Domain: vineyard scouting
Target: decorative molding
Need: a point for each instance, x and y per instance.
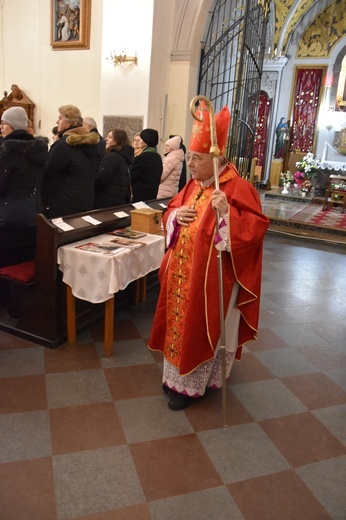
(269, 83)
(18, 98)
(131, 124)
(181, 55)
(282, 8)
(293, 20)
(324, 32)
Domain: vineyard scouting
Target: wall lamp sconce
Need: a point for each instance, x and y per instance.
(120, 59)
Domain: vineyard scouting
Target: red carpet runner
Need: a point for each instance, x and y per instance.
(313, 214)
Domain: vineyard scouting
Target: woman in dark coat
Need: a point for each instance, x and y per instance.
(22, 159)
(112, 186)
(69, 177)
(147, 168)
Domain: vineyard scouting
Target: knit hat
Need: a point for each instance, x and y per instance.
(200, 138)
(174, 142)
(16, 117)
(72, 113)
(150, 136)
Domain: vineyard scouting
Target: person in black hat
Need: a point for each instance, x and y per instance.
(146, 170)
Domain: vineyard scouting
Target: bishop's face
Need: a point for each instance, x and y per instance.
(200, 165)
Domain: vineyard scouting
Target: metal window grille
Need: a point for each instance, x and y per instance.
(231, 69)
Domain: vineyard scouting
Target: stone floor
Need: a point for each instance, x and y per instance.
(88, 438)
(276, 205)
(280, 208)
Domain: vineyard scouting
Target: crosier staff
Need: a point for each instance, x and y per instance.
(215, 153)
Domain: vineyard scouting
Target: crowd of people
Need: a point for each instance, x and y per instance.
(81, 171)
(77, 172)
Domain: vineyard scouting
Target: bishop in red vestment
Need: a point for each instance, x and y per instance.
(186, 325)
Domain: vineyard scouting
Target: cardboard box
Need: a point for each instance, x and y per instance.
(146, 219)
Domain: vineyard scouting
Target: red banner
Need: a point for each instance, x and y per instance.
(306, 100)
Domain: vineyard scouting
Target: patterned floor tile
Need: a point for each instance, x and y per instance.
(283, 496)
(302, 439)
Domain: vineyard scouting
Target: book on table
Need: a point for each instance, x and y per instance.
(105, 249)
(127, 242)
(127, 233)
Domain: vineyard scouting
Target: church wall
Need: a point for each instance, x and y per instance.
(188, 32)
(124, 89)
(85, 77)
(178, 105)
(49, 78)
(286, 93)
(162, 36)
(159, 88)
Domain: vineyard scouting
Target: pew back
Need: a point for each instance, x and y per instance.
(41, 307)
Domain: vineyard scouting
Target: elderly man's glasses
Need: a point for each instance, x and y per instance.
(194, 158)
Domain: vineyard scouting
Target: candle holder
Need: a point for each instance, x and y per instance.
(120, 59)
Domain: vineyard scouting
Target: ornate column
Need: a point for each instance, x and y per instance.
(271, 83)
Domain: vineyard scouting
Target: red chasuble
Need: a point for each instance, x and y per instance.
(186, 325)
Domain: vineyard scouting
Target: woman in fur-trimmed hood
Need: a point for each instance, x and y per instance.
(70, 172)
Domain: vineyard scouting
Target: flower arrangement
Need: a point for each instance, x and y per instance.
(286, 178)
(299, 177)
(308, 165)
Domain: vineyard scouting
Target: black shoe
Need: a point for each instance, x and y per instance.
(179, 401)
(165, 389)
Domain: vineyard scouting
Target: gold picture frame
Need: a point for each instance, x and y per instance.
(70, 26)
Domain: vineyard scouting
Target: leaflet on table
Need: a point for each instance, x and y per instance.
(58, 222)
(127, 233)
(140, 205)
(91, 220)
(104, 249)
(121, 214)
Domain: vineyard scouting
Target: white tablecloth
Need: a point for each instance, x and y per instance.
(95, 277)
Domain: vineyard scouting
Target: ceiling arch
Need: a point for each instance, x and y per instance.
(317, 24)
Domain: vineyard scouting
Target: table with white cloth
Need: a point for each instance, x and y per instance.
(96, 276)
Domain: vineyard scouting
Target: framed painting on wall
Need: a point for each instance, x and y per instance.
(70, 24)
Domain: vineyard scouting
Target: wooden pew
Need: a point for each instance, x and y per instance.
(41, 306)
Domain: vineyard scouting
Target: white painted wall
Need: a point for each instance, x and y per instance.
(50, 78)
(85, 78)
(178, 101)
(124, 89)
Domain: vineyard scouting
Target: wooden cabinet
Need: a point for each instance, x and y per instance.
(335, 193)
